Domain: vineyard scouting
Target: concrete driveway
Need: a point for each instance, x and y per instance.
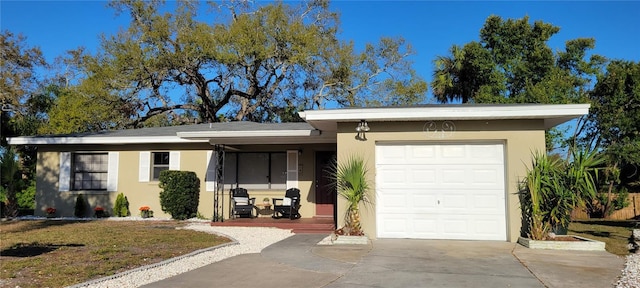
(420, 263)
(299, 262)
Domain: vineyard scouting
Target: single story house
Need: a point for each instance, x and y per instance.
(437, 171)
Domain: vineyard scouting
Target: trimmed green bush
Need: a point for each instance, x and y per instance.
(27, 197)
(121, 207)
(81, 207)
(180, 194)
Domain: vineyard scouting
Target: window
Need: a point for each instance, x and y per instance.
(160, 163)
(90, 171)
(256, 170)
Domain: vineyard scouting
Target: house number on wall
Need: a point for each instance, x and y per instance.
(444, 130)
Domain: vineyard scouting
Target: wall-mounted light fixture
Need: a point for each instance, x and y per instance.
(362, 128)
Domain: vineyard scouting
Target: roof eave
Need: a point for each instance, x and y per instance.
(95, 140)
(246, 134)
(552, 114)
(271, 136)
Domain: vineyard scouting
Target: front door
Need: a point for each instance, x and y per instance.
(325, 188)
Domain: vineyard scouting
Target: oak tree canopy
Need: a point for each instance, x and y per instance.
(243, 61)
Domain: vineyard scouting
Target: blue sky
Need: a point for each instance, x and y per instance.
(430, 26)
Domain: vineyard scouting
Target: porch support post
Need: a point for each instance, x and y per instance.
(218, 204)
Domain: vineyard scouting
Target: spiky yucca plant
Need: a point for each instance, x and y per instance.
(553, 188)
(352, 185)
(538, 187)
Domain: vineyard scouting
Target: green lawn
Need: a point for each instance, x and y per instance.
(61, 253)
(614, 233)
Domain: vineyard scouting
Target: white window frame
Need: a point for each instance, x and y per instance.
(153, 165)
(66, 172)
(146, 165)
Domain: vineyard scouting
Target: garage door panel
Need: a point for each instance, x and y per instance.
(457, 225)
(487, 227)
(491, 202)
(453, 176)
(393, 202)
(398, 226)
(422, 176)
(487, 176)
(452, 152)
(394, 226)
(424, 226)
(406, 177)
(486, 154)
(422, 203)
(392, 176)
(454, 201)
(420, 154)
(441, 191)
(391, 155)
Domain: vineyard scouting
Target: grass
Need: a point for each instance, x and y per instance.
(60, 253)
(614, 233)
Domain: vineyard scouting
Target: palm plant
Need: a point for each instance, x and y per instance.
(578, 186)
(447, 75)
(351, 182)
(539, 184)
(553, 188)
(10, 172)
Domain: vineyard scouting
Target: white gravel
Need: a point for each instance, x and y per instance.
(631, 274)
(247, 240)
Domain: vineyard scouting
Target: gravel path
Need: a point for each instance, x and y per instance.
(247, 240)
(631, 274)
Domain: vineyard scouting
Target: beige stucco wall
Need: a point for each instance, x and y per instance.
(520, 138)
(193, 157)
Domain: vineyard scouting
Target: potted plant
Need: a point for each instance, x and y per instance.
(99, 212)
(51, 212)
(265, 201)
(146, 212)
(351, 180)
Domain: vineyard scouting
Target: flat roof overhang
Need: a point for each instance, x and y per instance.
(43, 140)
(552, 114)
(261, 137)
(212, 137)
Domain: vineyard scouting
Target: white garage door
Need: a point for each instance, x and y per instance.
(441, 191)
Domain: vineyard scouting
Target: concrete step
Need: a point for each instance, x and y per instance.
(303, 225)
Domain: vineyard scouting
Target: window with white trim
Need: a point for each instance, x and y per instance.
(256, 170)
(160, 162)
(89, 171)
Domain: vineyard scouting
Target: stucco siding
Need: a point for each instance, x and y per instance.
(520, 139)
(193, 157)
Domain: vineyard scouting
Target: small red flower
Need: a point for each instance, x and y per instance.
(145, 208)
(51, 210)
(98, 209)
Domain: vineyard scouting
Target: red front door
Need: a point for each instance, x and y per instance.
(325, 188)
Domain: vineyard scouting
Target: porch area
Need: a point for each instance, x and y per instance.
(315, 225)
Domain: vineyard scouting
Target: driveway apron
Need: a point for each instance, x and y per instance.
(434, 263)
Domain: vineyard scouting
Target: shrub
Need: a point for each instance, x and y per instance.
(81, 206)
(27, 197)
(554, 187)
(121, 207)
(180, 194)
